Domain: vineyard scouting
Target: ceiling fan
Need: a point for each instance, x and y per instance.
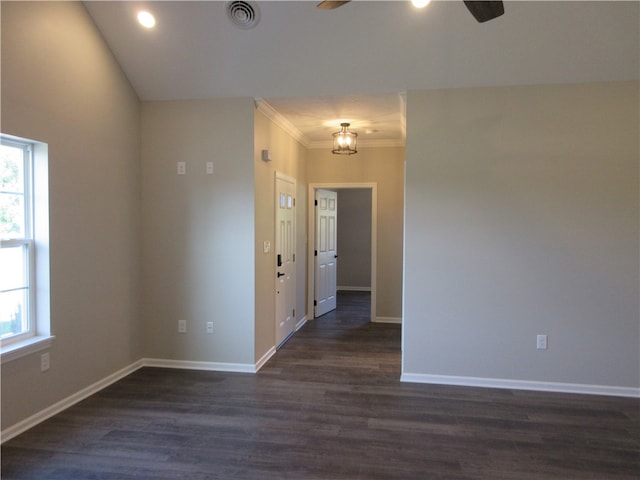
(483, 11)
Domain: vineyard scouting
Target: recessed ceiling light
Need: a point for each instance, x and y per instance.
(146, 19)
(420, 3)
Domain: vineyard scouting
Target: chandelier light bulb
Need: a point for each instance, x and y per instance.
(344, 141)
(420, 3)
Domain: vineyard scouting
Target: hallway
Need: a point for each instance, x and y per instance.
(341, 342)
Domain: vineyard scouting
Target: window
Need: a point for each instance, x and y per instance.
(16, 254)
(24, 319)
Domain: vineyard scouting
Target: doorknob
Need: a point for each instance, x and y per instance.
(280, 274)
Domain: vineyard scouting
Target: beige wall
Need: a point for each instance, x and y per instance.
(522, 219)
(198, 230)
(385, 167)
(61, 85)
(290, 158)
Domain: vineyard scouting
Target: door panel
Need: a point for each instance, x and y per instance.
(327, 255)
(285, 259)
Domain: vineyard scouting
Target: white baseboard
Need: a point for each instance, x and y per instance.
(522, 385)
(301, 323)
(395, 320)
(265, 358)
(353, 289)
(41, 416)
(191, 365)
(33, 420)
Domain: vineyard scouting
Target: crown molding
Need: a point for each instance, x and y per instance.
(272, 114)
(403, 116)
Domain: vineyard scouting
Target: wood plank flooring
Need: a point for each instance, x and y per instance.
(328, 405)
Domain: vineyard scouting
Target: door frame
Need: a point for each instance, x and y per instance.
(311, 229)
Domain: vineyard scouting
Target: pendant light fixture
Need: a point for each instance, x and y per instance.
(344, 141)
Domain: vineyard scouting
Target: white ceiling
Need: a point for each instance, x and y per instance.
(353, 64)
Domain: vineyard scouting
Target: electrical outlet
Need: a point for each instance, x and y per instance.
(541, 342)
(182, 326)
(209, 327)
(209, 168)
(44, 362)
(182, 168)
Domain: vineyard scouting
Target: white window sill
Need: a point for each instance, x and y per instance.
(25, 347)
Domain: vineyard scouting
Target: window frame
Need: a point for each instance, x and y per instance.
(36, 234)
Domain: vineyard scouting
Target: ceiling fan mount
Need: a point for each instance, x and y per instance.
(482, 10)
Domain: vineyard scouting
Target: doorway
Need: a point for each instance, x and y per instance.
(312, 229)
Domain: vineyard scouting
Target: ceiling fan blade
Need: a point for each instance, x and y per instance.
(331, 4)
(483, 11)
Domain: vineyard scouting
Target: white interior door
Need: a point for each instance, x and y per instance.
(285, 258)
(326, 254)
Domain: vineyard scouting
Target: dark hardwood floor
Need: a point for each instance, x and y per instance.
(329, 405)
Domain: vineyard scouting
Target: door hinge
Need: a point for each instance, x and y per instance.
(316, 203)
(315, 303)
(294, 257)
(294, 313)
(315, 253)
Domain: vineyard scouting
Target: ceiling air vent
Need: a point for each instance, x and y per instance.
(243, 14)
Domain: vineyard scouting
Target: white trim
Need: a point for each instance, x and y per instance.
(522, 385)
(280, 120)
(272, 114)
(25, 347)
(301, 323)
(394, 320)
(285, 177)
(42, 415)
(265, 358)
(26, 244)
(191, 365)
(403, 116)
(353, 289)
(30, 422)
